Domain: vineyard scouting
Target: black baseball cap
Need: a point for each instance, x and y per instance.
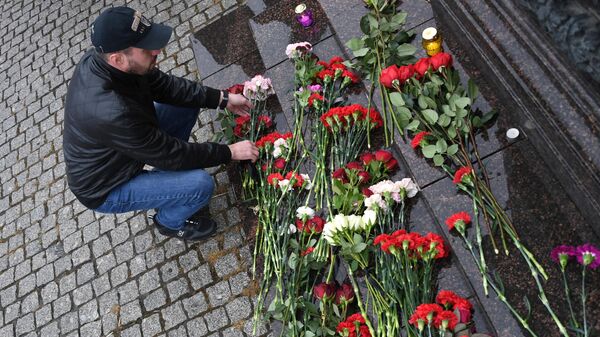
(119, 28)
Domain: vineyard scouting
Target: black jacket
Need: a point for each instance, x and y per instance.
(111, 129)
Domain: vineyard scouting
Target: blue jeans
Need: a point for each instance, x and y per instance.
(175, 194)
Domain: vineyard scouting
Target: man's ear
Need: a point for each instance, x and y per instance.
(117, 60)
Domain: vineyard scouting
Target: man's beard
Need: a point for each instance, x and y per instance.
(138, 69)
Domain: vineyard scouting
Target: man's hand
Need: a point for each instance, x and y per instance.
(244, 150)
(239, 104)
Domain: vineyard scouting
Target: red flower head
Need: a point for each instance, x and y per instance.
(450, 300)
(338, 66)
(323, 74)
(405, 72)
(445, 320)
(460, 220)
(279, 164)
(346, 327)
(367, 192)
(236, 89)
(266, 120)
(390, 165)
(352, 77)
(238, 131)
(434, 241)
(416, 142)
(383, 156)
(314, 225)
(461, 174)
(298, 180)
(358, 317)
(364, 331)
(422, 66)
(424, 314)
(340, 174)
(389, 75)
(274, 178)
(315, 96)
(441, 60)
(324, 290)
(364, 176)
(307, 251)
(344, 294)
(335, 60)
(367, 158)
(354, 165)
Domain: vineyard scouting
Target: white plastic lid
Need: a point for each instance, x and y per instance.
(300, 8)
(512, 133)
(429, 33)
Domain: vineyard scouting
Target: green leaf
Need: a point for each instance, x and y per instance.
(441, 146)
(472, 89)
(430, 115)
(438, 160)
(446, 109)
(403, 113)
(430, 102)
(462, 113)
(452, 149)
(451, 133)
(373, 23)
(357, 238)
(429, 151)
(405, 50)
(336, 310)
(396, 99)
(414, 125)
(476, 121)
(488, 116)
(361, 52)
(293, 261)
(444, 120)
(422, 102)
(463, 102)
(399, 18)
(359, 247)
(364, 25)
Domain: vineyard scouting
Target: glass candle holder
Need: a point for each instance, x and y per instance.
(432, 41)
(304, 15)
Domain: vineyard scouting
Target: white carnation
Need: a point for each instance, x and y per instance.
(305, 212)
(409, 186)
(277, 152)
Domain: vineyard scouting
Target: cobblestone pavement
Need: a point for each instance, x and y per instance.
(67, 271)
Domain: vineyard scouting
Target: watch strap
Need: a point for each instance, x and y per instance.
(224, 100)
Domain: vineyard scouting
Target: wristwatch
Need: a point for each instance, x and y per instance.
(224, 100)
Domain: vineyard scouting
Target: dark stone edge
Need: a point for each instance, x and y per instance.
(578, 176)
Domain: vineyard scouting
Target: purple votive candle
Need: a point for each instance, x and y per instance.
(304, 15)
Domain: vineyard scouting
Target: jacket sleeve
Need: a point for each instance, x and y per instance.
(181, 92)
(142, 141)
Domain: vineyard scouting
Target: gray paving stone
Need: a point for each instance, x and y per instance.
(154, 257)
(30, 303)
(200, 277)
(232, 239)
(173, 315)
(69, 322)
(67, 283)
(155, 300)
(173, 247)
(169, 271)
(61, 306)
(109, 322)
(128, 292)
(45, 275)
(107, 302)
(91, 232)
(137, 265)
(50, 330)
(218, 294)
(238, 309)
(179, 332)
(239, 282)
(151, 325)
(197, 327)
(7, 331)
(12, 312)
(130, 312)
(88, 312)
(119, 234)
(62, 264)
(27, 284)
(232, 332)
(118, 275)
(49, 292)
(133, 331)
(82, 294)
(80, 255)
(261, 328)
(105, 263)
(25, 324)
(101, 285)
(124, 252)
(149, 281)
(8, 296)
(72, 241)
(43, 315)
(189, 260)
(208, 248)
(86, 273)
(143, 242)
(216, 319)
(92, 329)
(226, 265)
(101, 246)
(177, 289)
(195, 305)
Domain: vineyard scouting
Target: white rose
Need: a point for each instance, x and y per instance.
(369, 218)
(292, 229)
(340, 222)
(355, 222)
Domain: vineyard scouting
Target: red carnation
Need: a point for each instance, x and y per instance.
(266, 120)
(364, 176)
(416, 142)
(354, 165)
(314, 225)
(298, 180)
(367, 192)
(307, 251)
(279, 163)
(337, 66)
(364, 331)
(351, 76)
(324, 290)
(340, 174)
(389, 75)
(422, 66)
(405, 73)
(346, 327)
(358, 317)
(236, 89)
(274, 178)
(383, 156)
(461, 174)
(315, 96)
(425, 314)
(323, 74)
(391, 164)
(436, 242)
(441, 60)
(335, 59)
(461, 219)
(367, 158)
(445, 320)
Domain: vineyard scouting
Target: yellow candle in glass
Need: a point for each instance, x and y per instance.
(432, 41)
